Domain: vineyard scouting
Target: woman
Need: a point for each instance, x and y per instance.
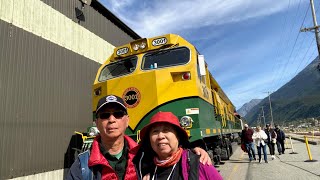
(163, 153)
(259, 136)
(271, 140)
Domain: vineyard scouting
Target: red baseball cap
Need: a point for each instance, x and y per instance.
(164, 117)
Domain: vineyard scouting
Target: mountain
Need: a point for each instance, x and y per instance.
(248, 106)
(297, 99)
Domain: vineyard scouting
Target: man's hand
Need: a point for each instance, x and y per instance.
(204, 156)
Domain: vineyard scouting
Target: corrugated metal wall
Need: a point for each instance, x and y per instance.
(45, 94)
(94, 21)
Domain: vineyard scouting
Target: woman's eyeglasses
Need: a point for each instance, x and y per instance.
(106, 115)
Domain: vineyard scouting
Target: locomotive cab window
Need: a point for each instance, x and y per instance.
(166, 58)
(118, 68)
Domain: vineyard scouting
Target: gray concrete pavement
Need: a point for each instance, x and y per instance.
(285, 167)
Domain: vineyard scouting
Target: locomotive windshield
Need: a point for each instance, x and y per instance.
(166, 58)
(118, 68)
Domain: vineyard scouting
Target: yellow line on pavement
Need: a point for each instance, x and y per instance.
(235, 168)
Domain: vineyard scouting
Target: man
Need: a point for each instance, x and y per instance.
(246, 138)
(271, 141)
(112, 151)
(281, 137)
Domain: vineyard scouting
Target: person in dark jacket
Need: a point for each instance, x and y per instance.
(112, 151)
(246, 138)
(164, 153)
(272, 139)
(281, 137)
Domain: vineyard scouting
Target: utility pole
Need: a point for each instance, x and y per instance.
(272, 125)
(315, 27)
(264, 119)
(271, 116)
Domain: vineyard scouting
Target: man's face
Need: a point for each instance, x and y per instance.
(112, 121)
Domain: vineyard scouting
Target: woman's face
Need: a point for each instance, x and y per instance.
(164, 140)
(258, 128)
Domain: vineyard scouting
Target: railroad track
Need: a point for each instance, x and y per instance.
(308, 133)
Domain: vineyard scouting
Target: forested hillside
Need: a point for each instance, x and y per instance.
(298, 99)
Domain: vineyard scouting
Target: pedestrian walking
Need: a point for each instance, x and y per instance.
(271, 140)
(246, 138)
(281, 137)
(260, 136)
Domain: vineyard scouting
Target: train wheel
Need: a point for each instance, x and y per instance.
(210, 153)
(226, 150)
(225, 153)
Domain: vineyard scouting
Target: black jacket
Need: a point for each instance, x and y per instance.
(280, 135)
(271, 134)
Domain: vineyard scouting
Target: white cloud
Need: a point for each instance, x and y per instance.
(236, 67)
(170, 16)
(115, 5)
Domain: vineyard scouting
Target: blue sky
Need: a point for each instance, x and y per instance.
(251, 46)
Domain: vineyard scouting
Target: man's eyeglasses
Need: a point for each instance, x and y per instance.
(106, 115)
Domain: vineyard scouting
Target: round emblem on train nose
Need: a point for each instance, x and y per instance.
(131, 97)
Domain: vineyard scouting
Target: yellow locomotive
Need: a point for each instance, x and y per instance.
(167, 73)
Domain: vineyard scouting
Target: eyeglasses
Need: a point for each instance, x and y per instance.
(117, 115)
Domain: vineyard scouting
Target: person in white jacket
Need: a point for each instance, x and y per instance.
(259, 136)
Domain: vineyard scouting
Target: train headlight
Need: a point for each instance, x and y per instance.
(136, 47)
(93, 131)
(186, 122)
(143, 45)
(139, 45)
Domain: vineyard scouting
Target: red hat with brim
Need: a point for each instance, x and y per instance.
(164, 117)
